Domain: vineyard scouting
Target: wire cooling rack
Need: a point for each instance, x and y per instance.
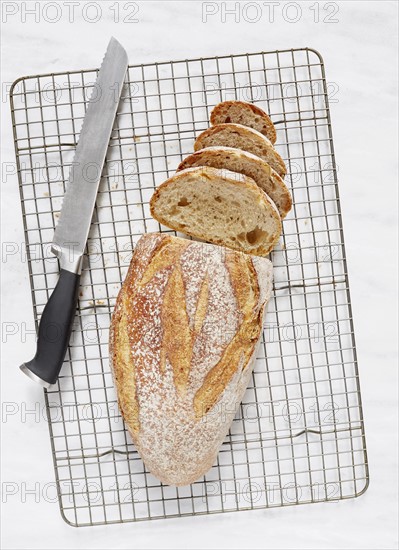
(299, 435)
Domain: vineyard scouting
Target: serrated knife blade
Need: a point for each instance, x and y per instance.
(73, 227)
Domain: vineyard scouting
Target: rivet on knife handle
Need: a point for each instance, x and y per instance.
(72, 230)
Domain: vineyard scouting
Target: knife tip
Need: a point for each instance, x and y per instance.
(114, 43)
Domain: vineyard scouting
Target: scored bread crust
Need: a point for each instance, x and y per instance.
(248, 164)
(241, 112)
(183, 340)
(241, 137)
(233, 181)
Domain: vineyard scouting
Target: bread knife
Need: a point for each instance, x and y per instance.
(73, 227)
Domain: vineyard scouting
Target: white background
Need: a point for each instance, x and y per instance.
(360, 56)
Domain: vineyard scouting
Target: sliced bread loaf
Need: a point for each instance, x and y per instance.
(241, 137)
(220, 207)
(248, 164)
(240, 112)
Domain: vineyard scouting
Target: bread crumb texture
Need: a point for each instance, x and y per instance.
(247, 164)
(242, 137)
(218, 206)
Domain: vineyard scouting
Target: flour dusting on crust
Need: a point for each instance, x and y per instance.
(194, 289)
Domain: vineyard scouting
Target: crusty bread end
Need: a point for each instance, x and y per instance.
(247, 114)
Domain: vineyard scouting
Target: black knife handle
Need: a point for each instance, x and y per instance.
(54, 330)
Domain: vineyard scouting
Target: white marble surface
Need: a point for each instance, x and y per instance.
(359, 53)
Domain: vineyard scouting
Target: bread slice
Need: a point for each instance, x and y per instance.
(241, 137)
(220, 207)
(248, 164)
(183, 342)
(247, 114)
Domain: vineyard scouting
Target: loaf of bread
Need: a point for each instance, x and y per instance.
(183, 339)
(247, 114)
(248, 164)
(241, 137)
(220, 207)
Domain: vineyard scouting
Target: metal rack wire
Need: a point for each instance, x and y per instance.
(299, 435)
